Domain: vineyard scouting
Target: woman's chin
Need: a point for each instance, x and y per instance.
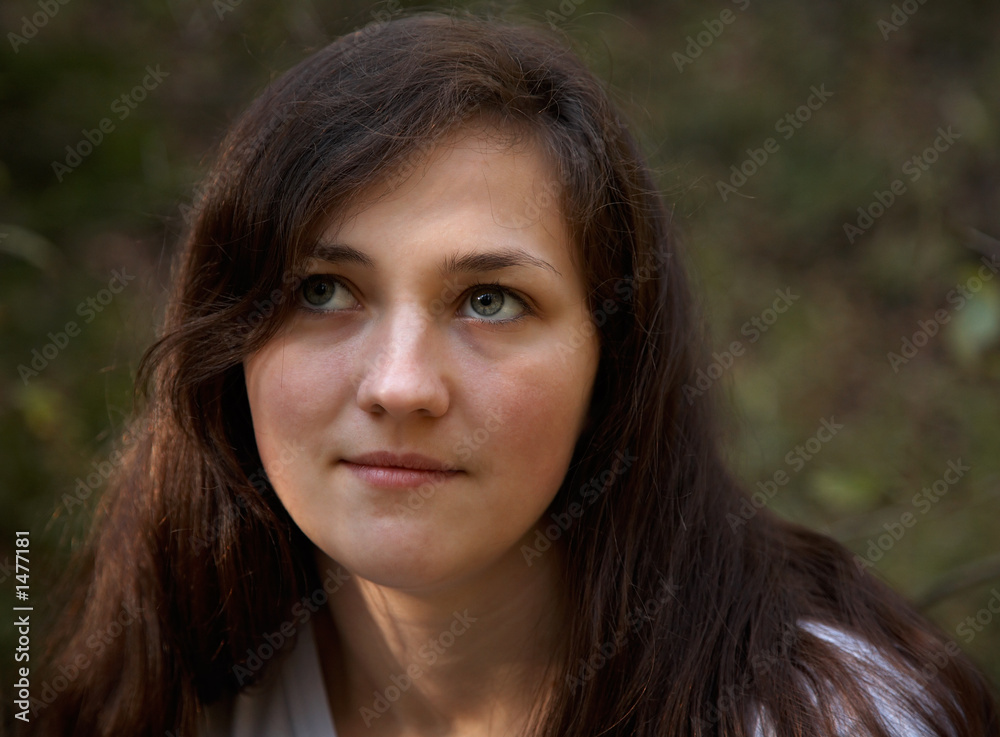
(406, 562)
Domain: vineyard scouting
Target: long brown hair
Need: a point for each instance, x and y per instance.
(681, 621)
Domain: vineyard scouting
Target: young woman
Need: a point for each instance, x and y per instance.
(416, 456)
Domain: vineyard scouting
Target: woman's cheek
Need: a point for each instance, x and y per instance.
(288, 394)
(541, 421)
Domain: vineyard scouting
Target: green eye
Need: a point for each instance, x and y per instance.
(494, 303)
(326, 293)
(487, 301)
(317, 291)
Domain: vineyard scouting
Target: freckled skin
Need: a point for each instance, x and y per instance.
(409, 366)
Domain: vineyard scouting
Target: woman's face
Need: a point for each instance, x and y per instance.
(418, 412)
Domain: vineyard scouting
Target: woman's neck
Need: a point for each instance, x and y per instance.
(472, 659)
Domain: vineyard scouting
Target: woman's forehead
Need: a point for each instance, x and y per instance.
(471, 149)
(472, 182)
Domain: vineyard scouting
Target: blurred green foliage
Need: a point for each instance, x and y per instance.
(705, 86)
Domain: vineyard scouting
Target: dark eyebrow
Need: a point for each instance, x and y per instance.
(337, 253)
(494, 261)
(466, 263)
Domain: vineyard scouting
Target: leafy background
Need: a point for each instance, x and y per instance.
(893, 87)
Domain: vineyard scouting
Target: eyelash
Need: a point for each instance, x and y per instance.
(508, 292)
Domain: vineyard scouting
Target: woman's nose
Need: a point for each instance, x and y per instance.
(402, 372)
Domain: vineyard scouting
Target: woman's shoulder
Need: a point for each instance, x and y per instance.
(892, 692)
(290, 701)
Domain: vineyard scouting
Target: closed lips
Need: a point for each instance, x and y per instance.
(409, 461)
